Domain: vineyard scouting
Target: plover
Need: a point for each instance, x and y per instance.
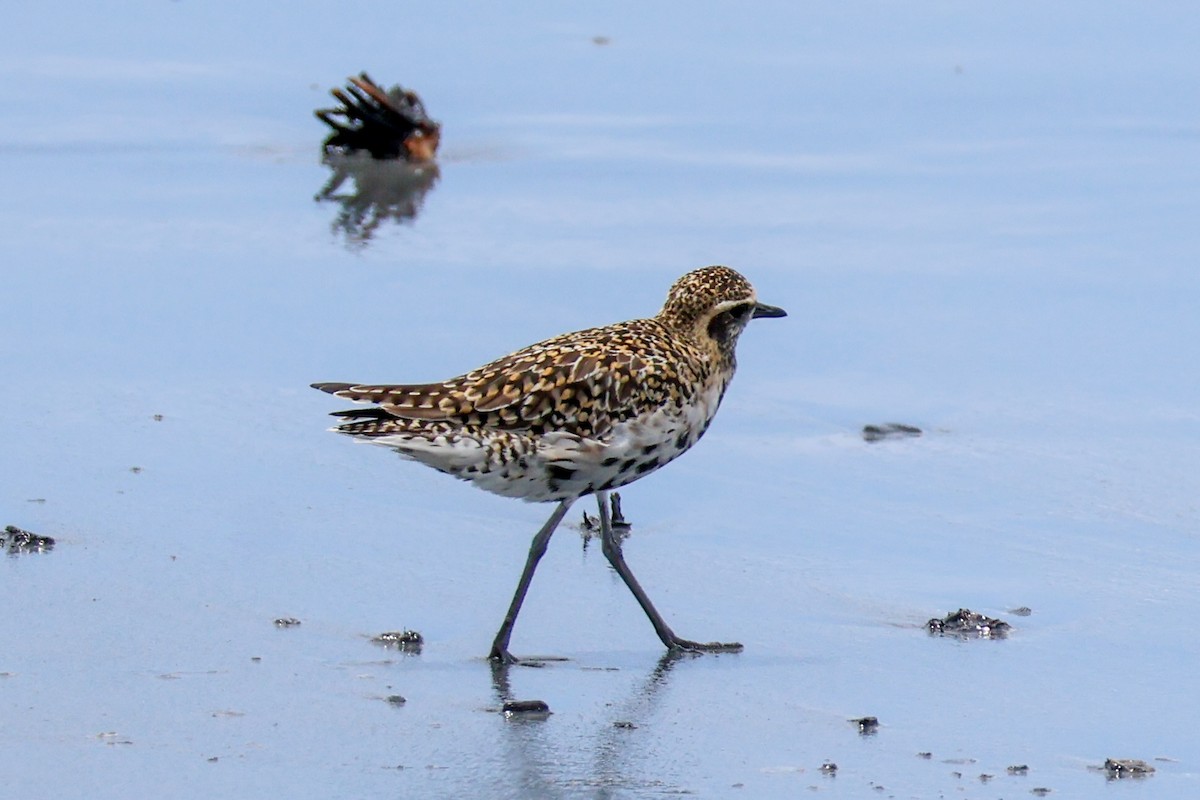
(581, 413)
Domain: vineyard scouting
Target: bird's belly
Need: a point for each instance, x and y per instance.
(559, 466)
(633, 450)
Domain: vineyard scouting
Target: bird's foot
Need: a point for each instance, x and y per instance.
(502, 657)
(688, 646)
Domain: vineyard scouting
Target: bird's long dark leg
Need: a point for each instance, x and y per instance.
(536, 551)
(612, 551)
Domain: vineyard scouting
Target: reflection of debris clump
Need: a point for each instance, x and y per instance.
(889, 430)
(966, 624)
(381, 191)
(23, 541)
(387, 124)
(405, 641)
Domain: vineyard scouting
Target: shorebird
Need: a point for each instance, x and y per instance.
(578, 414)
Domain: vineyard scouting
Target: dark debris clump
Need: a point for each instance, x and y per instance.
(590, 526)
(17, 540)
(1118, 768)
(387, 124)
(405, 641)
(967, 624)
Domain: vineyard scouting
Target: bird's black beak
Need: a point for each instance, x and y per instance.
(764, 310)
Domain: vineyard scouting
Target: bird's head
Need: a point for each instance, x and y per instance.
(714, 305)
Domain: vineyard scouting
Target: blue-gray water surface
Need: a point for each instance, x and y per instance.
(980, 217)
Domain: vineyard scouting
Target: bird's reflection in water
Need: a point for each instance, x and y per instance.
(372, 192)
(542, 768)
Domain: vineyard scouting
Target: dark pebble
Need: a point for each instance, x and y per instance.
(395, 699)
(889, 430)
(866, 725)
(516, 708)
(1019, 769)
(286, 622)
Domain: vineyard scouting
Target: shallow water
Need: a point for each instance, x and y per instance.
(981, 220)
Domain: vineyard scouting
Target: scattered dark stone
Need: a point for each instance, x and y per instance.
(157, 417)
(36, 500)
(984, 777)
(624, 725)
(136, 470)
(925, 755)
(1019, 769)
(967, 624)
(1118, 768)
(1040, 791)
(387, 124)
(866, 725)
(395, 700)
(256, 659)
(213, 759)
(889, 430)
(957, 775)
(286, 622)
(829, 768)
(23, 541)
(526, 708)
(1021, 611)
(405, 641)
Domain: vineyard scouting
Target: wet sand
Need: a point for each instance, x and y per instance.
(981, 222)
